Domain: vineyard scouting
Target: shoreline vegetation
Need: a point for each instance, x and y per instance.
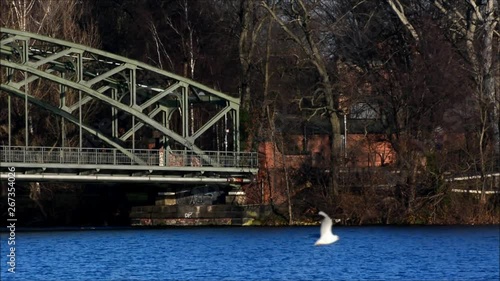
(75, 208)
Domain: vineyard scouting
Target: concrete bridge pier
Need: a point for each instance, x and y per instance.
(189, 206)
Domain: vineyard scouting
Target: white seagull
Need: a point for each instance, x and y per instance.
(327, 237)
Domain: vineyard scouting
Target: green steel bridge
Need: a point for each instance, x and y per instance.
(117, 119)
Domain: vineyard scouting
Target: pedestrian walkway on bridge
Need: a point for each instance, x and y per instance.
(106, 107)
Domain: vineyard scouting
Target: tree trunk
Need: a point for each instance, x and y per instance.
(287, 181)
(246, 45)
(488, 74)
(314, 55)
(335, 153)
(250, 29)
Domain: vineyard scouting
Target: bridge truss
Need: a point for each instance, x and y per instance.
(100, 100)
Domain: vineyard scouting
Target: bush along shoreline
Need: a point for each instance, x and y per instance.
(76, 207)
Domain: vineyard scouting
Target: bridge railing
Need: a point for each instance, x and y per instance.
(110, 156)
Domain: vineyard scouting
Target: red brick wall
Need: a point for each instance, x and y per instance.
(369, 151)
(363, 151)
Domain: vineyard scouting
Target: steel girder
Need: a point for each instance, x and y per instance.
(128, 87)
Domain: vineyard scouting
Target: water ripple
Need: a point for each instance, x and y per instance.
(362, 253)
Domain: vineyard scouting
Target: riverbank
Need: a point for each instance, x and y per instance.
(116, 207)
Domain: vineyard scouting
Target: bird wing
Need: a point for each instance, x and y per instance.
(326, 224)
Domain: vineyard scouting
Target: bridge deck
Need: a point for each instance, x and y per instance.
(112, 165)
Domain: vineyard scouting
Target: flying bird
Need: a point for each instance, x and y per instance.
(327, 237)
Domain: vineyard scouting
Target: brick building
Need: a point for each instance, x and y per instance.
(303, 147)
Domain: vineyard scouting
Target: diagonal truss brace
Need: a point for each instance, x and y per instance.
(131, 110)
(69, 117)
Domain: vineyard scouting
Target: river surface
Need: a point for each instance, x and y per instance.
(260, 253)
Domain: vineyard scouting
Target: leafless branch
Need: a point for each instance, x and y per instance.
(399, 10)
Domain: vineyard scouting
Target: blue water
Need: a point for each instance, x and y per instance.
(234, 253)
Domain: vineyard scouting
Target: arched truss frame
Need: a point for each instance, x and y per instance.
(140, 90)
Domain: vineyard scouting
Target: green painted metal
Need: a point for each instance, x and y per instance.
(69, 117)
(21, 34)
(163, 94)
(80, 87)
(37, 163)
(121, 75)
(209, 124)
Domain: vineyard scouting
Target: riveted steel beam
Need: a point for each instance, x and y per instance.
(22, 34)
(132, 111)
(93, 72)
(69, 117)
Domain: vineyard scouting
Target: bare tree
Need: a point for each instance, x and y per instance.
(398, 8)
(63, 20)
(161, 51)
(20, 12)
(251, 24)
(300, 29)
(476, 24)
(472, 28)
(185, 30)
